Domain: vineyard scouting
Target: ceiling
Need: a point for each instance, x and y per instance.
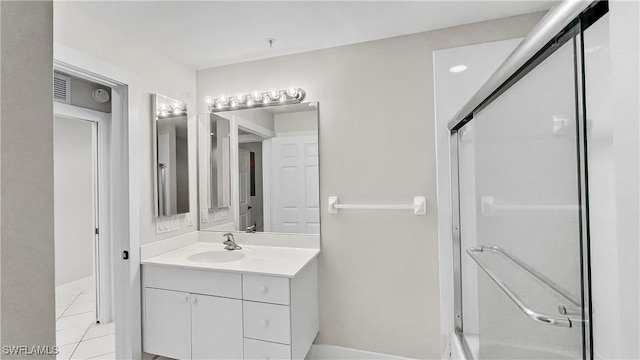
(204, 34)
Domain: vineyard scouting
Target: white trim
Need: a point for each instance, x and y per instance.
(267, 150)
(297, 133)
(253, 127)
(455, 349)
(243, 139)
(234, 169)
(125, 181)
(331, 352)
(76, 112)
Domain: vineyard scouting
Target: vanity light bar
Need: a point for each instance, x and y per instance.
(169, 110)
(256, 99)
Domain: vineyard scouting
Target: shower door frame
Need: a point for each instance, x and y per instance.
(572, 31)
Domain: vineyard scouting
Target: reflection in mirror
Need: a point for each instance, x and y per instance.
(172, 156)
(274, 171)
(219, 157)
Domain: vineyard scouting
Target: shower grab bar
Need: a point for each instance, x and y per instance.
(419, 206)
(541, 318)
(488, 207)
(533, 272)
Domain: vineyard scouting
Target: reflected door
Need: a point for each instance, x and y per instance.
(295, 185)
(521, 209)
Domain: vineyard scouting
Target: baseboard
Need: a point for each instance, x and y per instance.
(330, 352)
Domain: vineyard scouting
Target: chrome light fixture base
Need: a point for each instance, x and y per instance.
(256, 99)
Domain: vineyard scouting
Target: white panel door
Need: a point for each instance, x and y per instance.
(216, 325)
(295, 185)
(244, 195)
(167, 323)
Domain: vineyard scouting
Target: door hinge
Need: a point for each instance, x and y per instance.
(97, 231)
(125, 255)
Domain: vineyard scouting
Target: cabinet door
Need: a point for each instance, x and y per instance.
(167, 323)
(216, 325)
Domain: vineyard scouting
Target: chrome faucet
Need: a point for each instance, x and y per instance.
(252, 228)
(230, 243)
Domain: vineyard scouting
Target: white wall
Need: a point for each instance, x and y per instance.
(378, 270)
(73, 195)
(27, 313)
(156, 73)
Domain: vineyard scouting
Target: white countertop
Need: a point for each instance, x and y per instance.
(258, 260)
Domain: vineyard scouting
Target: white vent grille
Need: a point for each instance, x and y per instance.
(61, 88)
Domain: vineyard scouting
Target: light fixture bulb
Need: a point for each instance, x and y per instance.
(283, 98)
(219, 105)
(292, 92)
(234, 103)
(256, 95)
(208, 99)
(458, 68)
(163, 107)
(249, 102)
(266, 100)
(176, 105)
(176, 111)
(164, 113)
(240, 98)
(223, 99)
(274, 94)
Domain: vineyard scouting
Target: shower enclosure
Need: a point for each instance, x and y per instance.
(520, 200)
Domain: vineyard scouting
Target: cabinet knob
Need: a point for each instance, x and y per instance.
(264, 323)
(186, 298)
(194, 300)
(264, 289)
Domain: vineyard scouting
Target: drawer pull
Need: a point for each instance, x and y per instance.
(264, 323)
(195, 300)
(186, 298)
(264, 289)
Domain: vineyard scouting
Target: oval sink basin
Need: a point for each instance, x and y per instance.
(219, 256)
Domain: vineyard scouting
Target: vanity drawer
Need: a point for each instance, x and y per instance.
(260, 350)
(265, 289)
(193, 281)
(268, 322)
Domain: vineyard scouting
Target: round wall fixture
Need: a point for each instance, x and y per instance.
(100, 95)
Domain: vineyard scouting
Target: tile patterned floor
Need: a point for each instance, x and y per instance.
(77, 334)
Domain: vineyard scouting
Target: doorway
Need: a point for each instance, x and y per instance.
(83, 264)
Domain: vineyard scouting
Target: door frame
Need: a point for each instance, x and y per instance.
(124, 225)
(101, 202)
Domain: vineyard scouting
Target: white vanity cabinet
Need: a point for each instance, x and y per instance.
(208, 314)
(188, 314)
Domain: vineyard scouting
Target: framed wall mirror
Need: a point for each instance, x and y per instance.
(273, 171)
(171, 155)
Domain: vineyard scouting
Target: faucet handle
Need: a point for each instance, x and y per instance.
(229, 236)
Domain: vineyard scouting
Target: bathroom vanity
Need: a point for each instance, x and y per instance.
(204, 302)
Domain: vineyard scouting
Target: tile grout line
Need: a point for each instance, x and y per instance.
(78, 343)
(68, 306)
(97, 337)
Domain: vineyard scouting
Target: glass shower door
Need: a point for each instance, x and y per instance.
(521, 218)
